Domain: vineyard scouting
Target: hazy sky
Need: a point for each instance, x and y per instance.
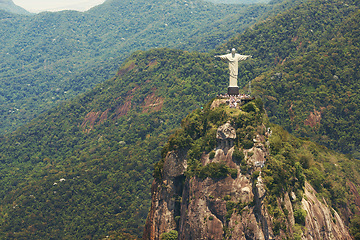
(57, 5)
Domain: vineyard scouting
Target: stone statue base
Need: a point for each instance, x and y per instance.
(233, 91)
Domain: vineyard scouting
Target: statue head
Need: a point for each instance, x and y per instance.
(233, 51)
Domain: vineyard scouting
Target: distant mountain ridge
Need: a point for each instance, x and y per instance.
(226, 175)
(10, 6)
(84, 168)
(104, 143)
(238, 1)
(51, 57)
(305, 71)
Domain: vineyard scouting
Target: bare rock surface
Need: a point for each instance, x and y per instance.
(320, 222)
(233, 207)
(217, 102)
(225, 136)
(225, 132)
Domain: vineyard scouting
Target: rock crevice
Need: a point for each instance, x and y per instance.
(234, 206)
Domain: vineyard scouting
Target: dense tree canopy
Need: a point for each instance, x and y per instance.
(83, 169)
(9, 6)
(104, 144)
(305, 66)
(53, 56)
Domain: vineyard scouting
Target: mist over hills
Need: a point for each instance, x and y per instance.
(238, 1)
(9, 6)
(51, 57)
(55, 6)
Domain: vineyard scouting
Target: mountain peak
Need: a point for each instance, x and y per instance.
(218, 181)
(10, 6)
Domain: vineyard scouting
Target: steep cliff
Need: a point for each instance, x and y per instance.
(218, 180)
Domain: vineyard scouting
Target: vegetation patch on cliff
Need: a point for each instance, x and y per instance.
(198, 137)
(293, 161)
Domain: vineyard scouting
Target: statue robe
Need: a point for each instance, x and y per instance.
(233, 60)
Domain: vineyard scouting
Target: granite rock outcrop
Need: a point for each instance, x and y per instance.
(232, 207)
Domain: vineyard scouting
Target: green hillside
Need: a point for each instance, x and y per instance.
(238, 1)
(326, 81)
(9, 6)
(104, 143)
(312, 87)
(291, 162)
(50, 57)
(317, 95)
(84, 168)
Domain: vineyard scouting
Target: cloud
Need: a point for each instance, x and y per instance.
(57, 5)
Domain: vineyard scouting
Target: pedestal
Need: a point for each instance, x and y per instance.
(233, 90)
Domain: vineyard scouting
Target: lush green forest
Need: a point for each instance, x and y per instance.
(104, 144)
(51, 57)
(312, 87)
(238, 1)
(317, 94)
(292, 161)
(83, 169)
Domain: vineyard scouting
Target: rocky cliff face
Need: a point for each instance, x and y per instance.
(232, 206)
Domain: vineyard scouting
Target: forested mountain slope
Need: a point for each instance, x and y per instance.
(238, 1)
(50, 57)
(312, 89)
(230, 174)
(104, 144)
(83, 169)
(9, 6)
(317, 95)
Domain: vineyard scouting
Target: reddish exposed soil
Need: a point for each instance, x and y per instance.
(152, 63)
(103, 117)
(91, 118)
(89, 121)
(277, 60)
(123, 109)
(314, 119)
(291, 112)
(295, 39)
(126, 70)
(152, 103)
(356, 194)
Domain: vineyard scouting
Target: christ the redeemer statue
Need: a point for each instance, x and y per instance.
(233, 58)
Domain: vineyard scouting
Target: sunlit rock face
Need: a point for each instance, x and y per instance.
(225, 137)
(233, 206)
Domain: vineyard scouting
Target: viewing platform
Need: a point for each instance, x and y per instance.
(235, 100)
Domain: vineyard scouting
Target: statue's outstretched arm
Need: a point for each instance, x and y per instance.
(244, 57)
(223, 57)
